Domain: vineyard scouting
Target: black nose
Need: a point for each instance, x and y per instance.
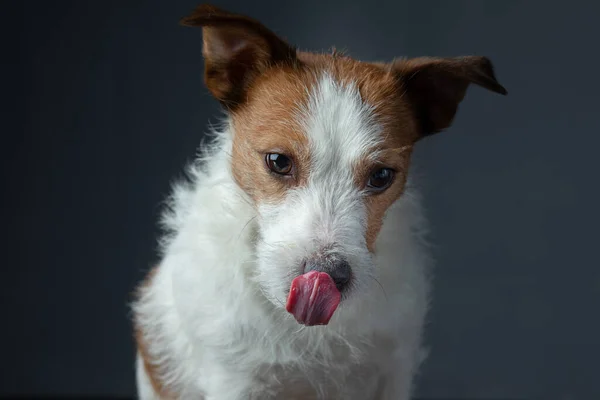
(341, 274)
(338, 269)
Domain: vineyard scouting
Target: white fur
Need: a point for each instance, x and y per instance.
(214, 313)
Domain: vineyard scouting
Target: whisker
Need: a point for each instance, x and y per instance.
(245, 200)
(381, 286)
(242, 231)
(280, 302)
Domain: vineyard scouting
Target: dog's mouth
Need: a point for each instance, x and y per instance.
(313, 298)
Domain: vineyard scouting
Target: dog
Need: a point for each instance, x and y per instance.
(294, 263)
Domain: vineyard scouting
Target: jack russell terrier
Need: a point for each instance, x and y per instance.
(294, 264)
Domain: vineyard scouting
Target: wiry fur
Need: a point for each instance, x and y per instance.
(213, 310)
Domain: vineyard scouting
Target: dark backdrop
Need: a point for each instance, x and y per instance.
(103, 103)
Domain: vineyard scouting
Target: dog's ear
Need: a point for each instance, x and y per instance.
(236, 50)
(436, 86)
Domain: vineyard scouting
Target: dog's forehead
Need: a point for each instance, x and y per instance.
(334, 107)
(341, 127)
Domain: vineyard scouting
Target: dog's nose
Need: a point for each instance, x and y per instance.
(341, 274)
(338, 269)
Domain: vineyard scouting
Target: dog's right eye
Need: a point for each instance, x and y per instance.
(279, 164)
(380, 179)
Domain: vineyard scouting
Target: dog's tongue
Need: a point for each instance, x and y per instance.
(313, 298)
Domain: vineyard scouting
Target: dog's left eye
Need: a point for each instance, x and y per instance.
(279, 163)
(381, 179)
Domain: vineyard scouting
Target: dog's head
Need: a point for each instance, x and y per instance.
(322, 142)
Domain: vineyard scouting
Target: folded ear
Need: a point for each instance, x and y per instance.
(236, 50)
(436, 86)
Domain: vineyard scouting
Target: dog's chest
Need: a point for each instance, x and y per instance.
(346, 371)
(344, 380)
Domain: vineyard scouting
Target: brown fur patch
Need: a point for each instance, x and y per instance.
(150, 366)
(267, 123)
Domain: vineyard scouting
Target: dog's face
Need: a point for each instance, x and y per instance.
(322, 142)
(322, 154)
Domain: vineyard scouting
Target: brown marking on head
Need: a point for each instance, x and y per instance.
(268, 120)
(268, 123)
(262, 81)
(143, 346)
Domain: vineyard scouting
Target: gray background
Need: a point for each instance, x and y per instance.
(103, 104)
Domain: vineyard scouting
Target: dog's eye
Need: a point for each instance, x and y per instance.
(381, 179)
(279, 163)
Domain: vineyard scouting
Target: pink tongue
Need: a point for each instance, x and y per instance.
(313, 298)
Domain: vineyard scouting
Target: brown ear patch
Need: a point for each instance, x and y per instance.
(236, 50)
(436, 86)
